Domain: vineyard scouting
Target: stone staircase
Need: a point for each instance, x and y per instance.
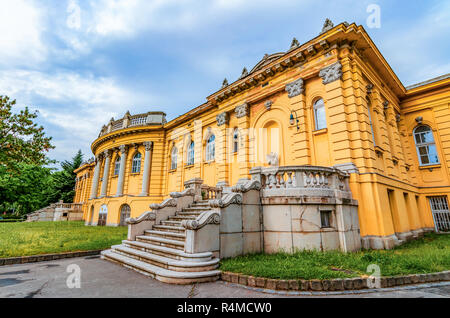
(160, 251)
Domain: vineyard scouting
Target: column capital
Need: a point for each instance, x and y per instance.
(222, 119)
(123, 149)
(148, 145)
(107, 153)
(242, 110)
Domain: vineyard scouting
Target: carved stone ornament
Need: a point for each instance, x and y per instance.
(327, 25)
(148, 145)
(184, 193)
(246, 185)
(166, 203)
(244, 73)
(331, 73)
(268, 104)
(226, 200)
(295, 88)
(419, 120)
(222, 119)
(107, 154)
(272, 159)
(208, 217)
(146, 216)
(294, 43)
(225, 83)
(123, 149)
(242, 110)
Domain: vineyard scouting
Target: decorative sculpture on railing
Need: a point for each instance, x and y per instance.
(208, 217)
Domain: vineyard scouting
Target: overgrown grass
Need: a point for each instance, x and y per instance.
(25, 239)
(426, 255)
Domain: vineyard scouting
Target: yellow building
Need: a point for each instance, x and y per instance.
(333, 101)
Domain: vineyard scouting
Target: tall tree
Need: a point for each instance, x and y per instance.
(63, 186)
(21, 139)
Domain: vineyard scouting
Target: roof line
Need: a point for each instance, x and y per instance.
(432, 80)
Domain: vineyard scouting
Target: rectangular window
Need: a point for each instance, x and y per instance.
(441, 213)
(325, 219)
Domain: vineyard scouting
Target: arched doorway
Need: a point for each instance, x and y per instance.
(102, 215)
(125, 212)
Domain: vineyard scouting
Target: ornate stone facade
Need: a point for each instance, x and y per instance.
(295, 88)
(331, 73)
(222, 119)
(241, 110)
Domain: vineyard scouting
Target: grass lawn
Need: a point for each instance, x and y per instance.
(426, 255)
(25, 239)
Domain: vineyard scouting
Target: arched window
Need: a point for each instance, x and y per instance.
(211, 148)
(235, 140)
(426, 148)
(319, 114)
(173, 158)
(136, 166)
(190, 154)
(117, 166)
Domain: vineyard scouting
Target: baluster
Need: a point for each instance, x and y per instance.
(289, 179)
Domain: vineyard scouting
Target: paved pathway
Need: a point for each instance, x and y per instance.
(100, 278)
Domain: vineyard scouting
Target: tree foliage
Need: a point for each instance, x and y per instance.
(21, 139)
(63, 185)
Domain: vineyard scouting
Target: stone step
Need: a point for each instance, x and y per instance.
(168, 235)
(171, 223)
(200, 204)
(165, 262)
(161, 241)
(161, 274)
(182, 218)
(196, 214)
(169, 228)
(169, 252)
(197, 209)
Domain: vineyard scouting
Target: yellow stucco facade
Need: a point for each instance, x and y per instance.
(368, 123)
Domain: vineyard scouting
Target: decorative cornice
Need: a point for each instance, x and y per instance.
(295, 88)
(242, 110)
(331, 73)
(226, 200)
(246, 186)
(146, 216)
(222, 119)
(186, 192)
(166, 203)
(208, 217)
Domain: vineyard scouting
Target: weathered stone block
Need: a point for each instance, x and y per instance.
(243, 279)
(315, 285)
(399, 281)
(226, 277)
(348, 283)
(251, 281)
(326, 285)
(234, 278)
(414, 279)
(358, 283)
(294, 285)
(303, 284)
(337, 284)
(283, 285)
(271, 284)
(260, 282)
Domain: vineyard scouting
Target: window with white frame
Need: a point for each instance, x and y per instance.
(190, 154)
(211, 148)
(235, 140)
(117, 166)
(136, 165)
(173, 158)
(319, 115)
(425, 145)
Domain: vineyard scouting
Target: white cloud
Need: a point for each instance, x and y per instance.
(20, 29)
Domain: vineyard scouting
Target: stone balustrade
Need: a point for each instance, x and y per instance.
(210, 193)
(146, 119)
(313, 177)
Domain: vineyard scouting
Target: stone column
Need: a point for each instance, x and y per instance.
(147, 163)
(107, 155)
(123, 161)
(96, 178)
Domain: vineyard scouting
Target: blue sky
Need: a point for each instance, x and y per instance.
(146, 55)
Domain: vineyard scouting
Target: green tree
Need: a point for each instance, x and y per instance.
(25, 190)
(63, 185)
(21, 139)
